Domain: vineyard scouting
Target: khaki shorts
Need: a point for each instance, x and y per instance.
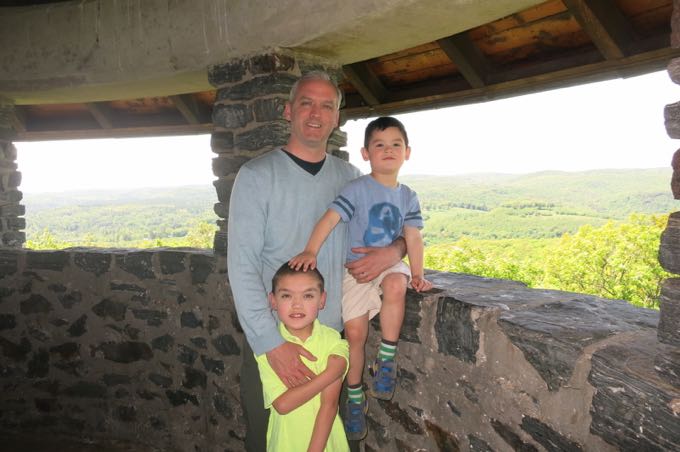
(358, 299)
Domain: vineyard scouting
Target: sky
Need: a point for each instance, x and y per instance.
(612, 124)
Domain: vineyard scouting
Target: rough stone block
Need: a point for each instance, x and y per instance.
(163, 343)
(511, 438)
(13, 210)
(674, 70)
(224, 74)
(675, 25)
(35, 304)
(671, 114)
(667, 365)
(85, 389)
(151, 316)
(630, 410)
(226, 345)
(548, 437)
(7, 322)
(8, 150)
(13, 239)
(220, 243)
(190, 320)
(223, 186)
(137, 263)
(79, 327)
(221, 209)
(172, 262)
(273, 62)
(675, 179)
(110, 308)
(266, 85)
(126, 352)
(9, 262)
(234, 116)
(546, 336)
(263, 137)
(201, 266)
(96, 263)
(11, 197)
(669, 312)
(16, 224)
(225, 165)
(47, 260)
(186, 355)
(456, 332)
(222, 142)
(15, 179)
(669, 248)
(269, 109)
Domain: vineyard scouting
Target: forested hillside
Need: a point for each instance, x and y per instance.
(593, 232)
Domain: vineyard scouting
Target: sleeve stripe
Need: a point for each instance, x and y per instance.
(344, 209)
(345, 205)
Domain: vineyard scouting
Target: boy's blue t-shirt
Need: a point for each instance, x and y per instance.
(376, 214)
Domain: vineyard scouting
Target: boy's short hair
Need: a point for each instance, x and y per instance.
(287, 270)
(315, 75)
(383, 123)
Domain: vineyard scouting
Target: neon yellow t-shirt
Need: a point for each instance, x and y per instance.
(293, 431)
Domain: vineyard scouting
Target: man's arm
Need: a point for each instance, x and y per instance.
(376, 260)
(246, 232)
(294, 397)
(325, 417)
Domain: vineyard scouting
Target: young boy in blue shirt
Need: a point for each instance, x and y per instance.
(379, 210)
(305, 417)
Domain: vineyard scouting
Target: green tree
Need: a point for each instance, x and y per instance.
(45, 240)
(617, 260)
(201, 235)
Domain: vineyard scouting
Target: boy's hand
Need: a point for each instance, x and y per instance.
(420, 284)
(305, 261)
(285, 362)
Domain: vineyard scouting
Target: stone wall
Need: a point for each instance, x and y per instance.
(12, 222)
(143, 346)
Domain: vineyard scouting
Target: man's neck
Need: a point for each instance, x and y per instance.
(306, 153)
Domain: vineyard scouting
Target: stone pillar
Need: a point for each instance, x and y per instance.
(248, 118)
(11, 211)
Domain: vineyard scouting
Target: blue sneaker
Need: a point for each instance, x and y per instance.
(355, 420)
(384, 380)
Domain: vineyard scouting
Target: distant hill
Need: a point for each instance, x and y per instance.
(485, 206)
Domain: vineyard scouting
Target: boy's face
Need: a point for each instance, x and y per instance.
(298, 299)
(386, 151)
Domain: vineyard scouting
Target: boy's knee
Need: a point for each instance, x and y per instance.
(394, 284)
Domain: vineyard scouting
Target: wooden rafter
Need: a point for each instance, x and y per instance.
(605, 24)
(467, 57)
(98, 112)
(366, 83)
(188, 107)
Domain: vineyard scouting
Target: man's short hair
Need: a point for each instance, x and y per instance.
(315, 75)
(287, 270)
(381, 124)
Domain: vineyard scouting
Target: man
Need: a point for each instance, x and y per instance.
(275, 203)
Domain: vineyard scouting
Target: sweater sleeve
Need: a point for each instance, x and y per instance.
(246, 235)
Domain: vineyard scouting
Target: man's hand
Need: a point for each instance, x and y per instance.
(286, 363)
(375, 261)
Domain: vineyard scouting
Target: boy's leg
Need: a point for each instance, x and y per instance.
(252, 402)
(384, 370)
(356, 332)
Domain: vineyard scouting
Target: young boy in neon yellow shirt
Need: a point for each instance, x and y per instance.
(378, 210)
(305, 417)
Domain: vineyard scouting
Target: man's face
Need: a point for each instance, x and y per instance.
(298, 299)
(313, 113)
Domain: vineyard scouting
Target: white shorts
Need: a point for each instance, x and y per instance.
(359, 299)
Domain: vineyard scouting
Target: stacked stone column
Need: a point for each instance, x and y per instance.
(248, 118)
(11, 211)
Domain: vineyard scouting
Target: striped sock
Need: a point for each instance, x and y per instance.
(355, 393)
(387, 350)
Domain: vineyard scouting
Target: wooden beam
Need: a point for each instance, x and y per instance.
(606, 25)
(366, 83)
(98, 112)
(467, 57)
(127, 132)
(18, 119)
(599, 71)
(188, 107)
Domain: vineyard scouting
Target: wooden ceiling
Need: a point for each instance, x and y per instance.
(555, 44)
